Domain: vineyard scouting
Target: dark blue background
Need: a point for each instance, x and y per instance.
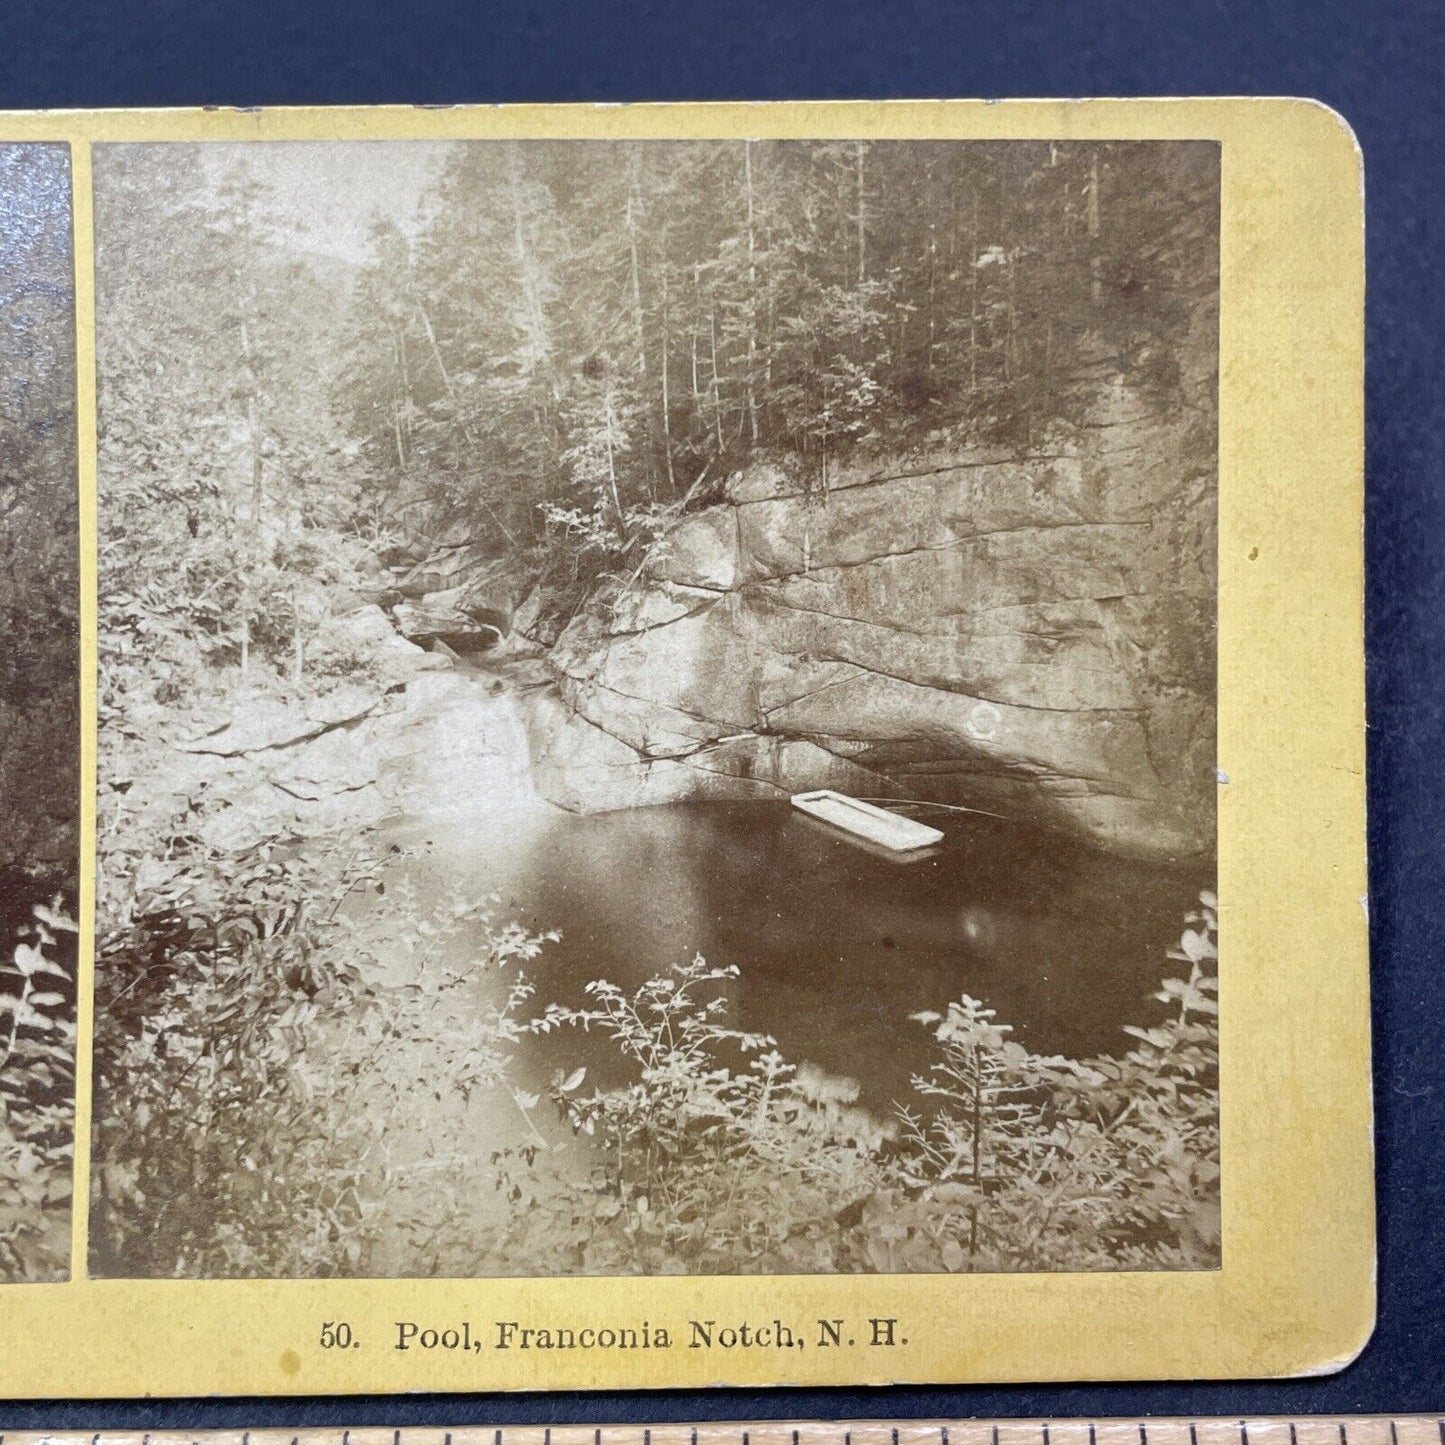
(1381, 64)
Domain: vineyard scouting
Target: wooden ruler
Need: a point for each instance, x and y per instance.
(1267, 1430)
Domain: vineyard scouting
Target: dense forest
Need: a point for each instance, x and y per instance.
(572, 341)
(547, 358)
(721, 298)
(39, 710)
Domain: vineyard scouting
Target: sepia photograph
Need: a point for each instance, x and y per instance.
(656, 709)
(39, 712)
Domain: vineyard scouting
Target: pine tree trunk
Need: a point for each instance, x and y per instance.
(457, 410)
(823, 484)
(632, 205)
(608, 422)
(404, 370)
(666, 399)
(253, 411)
(752, 295)
(932, 286)
(770, 341)
(973, 301)
(529, 281)
(716, 384)
(862, 223)
(696, 312)
(1010, 358)
(445, 375)
(1096, 285)
(398, 406)
(396, 429)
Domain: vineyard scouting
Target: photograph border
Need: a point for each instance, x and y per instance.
(1296, 1292)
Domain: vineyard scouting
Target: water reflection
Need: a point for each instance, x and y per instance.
(836, 944)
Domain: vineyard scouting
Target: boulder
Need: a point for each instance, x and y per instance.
(441, 570)
(358, 629)
(438, 618)
(701, 551)
(399, 660)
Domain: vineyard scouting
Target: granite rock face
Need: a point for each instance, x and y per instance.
(1030, 634)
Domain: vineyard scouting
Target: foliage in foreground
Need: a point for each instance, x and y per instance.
(37, 1095)
(1005, 1160)
(212, 1153)
(276, 1102)
(255, 1069)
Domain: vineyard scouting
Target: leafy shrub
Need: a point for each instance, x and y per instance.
(1006, 1160)
(37, 1097)
(1048, 1163)
(256, 1068)
(263, 1114)
(212, 1155)
(703, 1165)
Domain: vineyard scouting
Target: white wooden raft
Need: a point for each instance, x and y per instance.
(876, 825)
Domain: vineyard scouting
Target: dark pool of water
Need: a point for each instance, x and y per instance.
(837, 945)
